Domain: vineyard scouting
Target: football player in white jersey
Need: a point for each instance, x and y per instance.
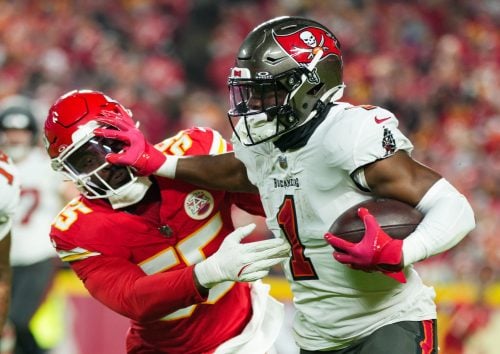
(32, 256)
(9, 199)
(311, 158)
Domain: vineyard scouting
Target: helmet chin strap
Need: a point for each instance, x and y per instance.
(259, 126)
(336, 93)
(131, 194)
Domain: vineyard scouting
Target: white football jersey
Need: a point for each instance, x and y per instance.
(9, 193)
(303, 191)
(40, 203)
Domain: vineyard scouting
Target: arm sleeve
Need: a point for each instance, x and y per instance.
(126, 289)
(448, 219)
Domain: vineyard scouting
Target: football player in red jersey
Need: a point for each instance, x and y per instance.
(311, 158)
(162, 252)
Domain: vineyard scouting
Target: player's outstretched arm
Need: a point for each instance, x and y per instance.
(223, 172)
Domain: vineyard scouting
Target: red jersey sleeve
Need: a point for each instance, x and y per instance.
(126, 289)
(195, 141)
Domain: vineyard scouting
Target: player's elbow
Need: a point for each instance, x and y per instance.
(469, 220)
(142, 312)
(448, 219)
(138, 306)
(144, 315)
(460, 224)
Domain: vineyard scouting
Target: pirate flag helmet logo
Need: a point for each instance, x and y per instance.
(305, 44)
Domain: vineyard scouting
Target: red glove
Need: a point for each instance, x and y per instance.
(376, 251)
(137, 153)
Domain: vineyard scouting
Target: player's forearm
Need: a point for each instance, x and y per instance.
(124, 288)
(223, 172)
(158, 295)
(448, 219)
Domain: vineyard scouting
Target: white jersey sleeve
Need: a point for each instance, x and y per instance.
(363, 134)
(9, 192)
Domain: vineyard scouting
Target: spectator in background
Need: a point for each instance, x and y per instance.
(42, 195)
(9, 199)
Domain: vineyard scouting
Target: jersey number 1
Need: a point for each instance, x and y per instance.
(300, 265)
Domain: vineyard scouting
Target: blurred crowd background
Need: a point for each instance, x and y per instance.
(434, 63)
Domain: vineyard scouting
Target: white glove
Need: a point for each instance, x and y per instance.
(241, 261)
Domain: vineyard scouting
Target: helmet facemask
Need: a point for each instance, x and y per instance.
(84, 162)
(262, 106)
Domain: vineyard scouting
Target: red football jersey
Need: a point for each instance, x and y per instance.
(175, 226)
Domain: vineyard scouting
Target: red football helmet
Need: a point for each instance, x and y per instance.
(75, 150)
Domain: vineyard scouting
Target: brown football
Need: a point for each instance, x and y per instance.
(396, 218)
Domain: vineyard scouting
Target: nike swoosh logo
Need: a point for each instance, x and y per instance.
(381, 120)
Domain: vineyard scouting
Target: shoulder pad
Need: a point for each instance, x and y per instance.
(195, 141)
(378, 114)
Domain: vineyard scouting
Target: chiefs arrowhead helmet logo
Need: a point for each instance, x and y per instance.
(305, 43)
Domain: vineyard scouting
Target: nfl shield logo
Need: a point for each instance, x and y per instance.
(282, 162)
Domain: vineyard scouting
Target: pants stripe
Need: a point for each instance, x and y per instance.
(427, 343)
